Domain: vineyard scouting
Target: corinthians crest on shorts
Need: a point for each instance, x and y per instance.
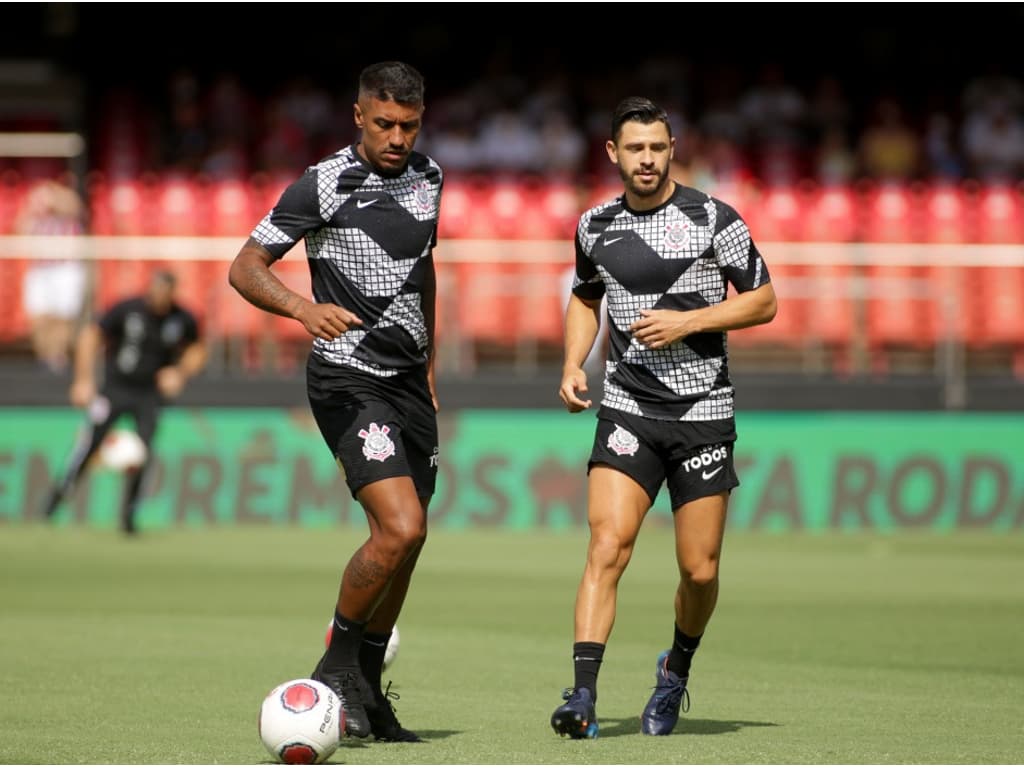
(623, 442)
(377, 446)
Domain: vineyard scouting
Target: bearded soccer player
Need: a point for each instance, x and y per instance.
(368, 214)
(665, 255)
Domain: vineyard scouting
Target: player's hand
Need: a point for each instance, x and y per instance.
(433, 389)
(83, 391)
(574, 381)
(325, 321)
(658, 328)
(170, 381)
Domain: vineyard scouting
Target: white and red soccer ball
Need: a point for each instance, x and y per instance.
(301, 722)
(122, 449)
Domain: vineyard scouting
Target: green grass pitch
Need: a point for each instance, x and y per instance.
(824, 648)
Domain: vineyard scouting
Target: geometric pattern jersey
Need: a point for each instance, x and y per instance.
(681, 255)
(369, 241)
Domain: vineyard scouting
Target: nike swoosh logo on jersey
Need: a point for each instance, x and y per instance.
(364, 203)
(613, 240)
(708, 475)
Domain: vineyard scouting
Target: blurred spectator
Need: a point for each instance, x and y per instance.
(829, 109)
(54, 288)
(773, 114)
(187, 140)
(311, 109)
(508, 143)
(563, 147)
(283, 140)
(889, 149)
(940, 151)
(994, 144)
(834, 161)
(993, 89)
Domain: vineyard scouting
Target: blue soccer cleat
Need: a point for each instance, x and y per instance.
(662, 711)
(576, 718)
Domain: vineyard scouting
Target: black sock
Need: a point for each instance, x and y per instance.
(586, 660)
(346, 638)
(683, 648)
(371, 657)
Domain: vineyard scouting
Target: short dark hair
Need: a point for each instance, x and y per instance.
(640, 109)
(164, 276)
(392, 81)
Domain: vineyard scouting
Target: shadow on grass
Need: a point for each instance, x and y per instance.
(628, 726)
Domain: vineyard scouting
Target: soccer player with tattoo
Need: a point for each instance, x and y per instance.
(368, 214)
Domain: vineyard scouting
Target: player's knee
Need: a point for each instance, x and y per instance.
(404, 534)
(700, 573)
(610, 551)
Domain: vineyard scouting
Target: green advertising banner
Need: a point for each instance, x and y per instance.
(523, 469)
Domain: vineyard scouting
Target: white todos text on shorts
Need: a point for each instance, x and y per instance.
(706, 459)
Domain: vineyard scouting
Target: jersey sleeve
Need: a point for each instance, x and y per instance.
(296, 213)
(587, 283)
(112, 321)
(735, 252)
(191, 330)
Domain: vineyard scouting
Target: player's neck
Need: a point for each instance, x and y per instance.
(650, 202)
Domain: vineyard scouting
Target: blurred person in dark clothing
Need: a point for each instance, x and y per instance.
(151, 348)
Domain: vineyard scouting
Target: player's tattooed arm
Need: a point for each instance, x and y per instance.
(251, 276)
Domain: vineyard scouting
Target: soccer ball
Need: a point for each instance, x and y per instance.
(389, 653)
(301, 722)
(122, 449)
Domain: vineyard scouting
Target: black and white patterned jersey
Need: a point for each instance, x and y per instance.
(369, 240)
(680, 256)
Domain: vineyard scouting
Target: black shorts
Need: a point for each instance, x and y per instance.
(376, 427)
(694, 457)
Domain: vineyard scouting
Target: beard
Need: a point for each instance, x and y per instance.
(639, 188)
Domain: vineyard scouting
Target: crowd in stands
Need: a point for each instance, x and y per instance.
(523, 156)
(727, 127)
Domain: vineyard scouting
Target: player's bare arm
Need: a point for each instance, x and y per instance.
(83, 386)
(428, 303)
(251, 276)
(171, 379)
(658, 328)
(582, 322)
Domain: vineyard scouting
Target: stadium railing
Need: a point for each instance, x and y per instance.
(871, 278)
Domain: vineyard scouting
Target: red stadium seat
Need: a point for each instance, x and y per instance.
(123, 207)
(891, 214)
(457, 208)
(789, 328)
(830, 215)
(544, 292)
(998, 317)
(561, 204)
(777, 216)
(233, 211)
(831, 317)
(14, 324)
(1000, 212)
(118, 279)
(12, 194)
(488, 306)
(181, 207)
(948, 214)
